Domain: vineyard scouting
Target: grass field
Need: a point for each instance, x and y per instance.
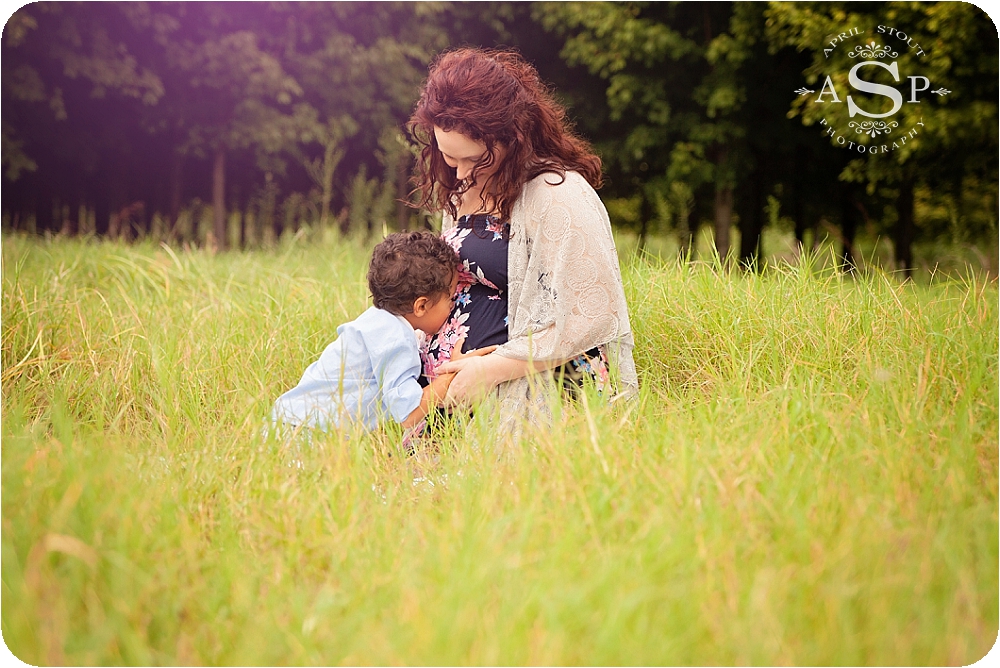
(809, 477)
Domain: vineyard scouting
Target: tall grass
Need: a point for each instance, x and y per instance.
(808, 477)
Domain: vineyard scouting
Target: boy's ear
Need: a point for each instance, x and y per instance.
(420, 305)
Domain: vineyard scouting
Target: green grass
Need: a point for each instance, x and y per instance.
(808, 477)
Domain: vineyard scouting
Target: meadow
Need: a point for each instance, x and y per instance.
(809, 476)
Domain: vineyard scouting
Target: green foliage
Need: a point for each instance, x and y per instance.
(809, 477)
(698, 95)
(15, 160)
(365, 207)
(955, 143)
(621, 44)
(291, 88)
(953, 56)
(957, 140)
(122, 107)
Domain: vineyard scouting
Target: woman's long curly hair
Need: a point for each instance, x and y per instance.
(497, 98)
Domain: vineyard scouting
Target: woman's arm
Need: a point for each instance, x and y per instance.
(476, 376)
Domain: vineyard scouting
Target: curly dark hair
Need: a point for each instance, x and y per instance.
(495, 97)
(407, 265)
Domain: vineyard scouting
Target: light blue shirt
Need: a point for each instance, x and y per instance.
(368, 374)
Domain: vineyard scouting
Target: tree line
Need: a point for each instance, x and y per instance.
(136, 118)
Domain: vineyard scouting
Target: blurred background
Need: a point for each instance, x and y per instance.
(235, 124)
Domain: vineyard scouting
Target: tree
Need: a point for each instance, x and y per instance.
(361, 65)
(675, 85)
(252, 91)
(948, 136)
(232, 92)
(628, 45)
(64, 72)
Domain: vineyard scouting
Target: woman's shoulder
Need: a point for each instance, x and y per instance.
(569, 190)
(569, 181)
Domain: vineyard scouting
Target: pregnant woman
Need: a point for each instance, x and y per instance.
(540, 275)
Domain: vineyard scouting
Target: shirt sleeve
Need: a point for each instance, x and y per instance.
(396, 363)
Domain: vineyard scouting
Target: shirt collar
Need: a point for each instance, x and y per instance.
(405, 322)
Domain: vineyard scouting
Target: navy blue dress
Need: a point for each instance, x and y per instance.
(480, 312)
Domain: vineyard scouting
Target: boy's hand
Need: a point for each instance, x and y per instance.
(433, 395)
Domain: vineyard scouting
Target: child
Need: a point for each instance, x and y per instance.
(369, 373)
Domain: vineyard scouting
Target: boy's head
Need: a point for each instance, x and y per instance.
(410, 273)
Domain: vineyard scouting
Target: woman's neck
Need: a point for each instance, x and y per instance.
(472, 202)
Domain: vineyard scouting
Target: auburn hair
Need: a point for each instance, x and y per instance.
(497, 98)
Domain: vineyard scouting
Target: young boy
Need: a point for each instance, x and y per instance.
(369, 373)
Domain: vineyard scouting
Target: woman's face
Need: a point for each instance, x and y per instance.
(463, 154)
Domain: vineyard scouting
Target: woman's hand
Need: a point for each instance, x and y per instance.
(477, 372)
(476, 377)
(457, 355)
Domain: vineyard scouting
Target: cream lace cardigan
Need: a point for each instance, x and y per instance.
(565, 293)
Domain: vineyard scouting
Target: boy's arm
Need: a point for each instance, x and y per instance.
(433, 395)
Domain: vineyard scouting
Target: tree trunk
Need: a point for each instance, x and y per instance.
(685, 239)
(752, 224)
(645, 213)
(685, 234)
(331, 158)
(43, 212)
(264, 218)
(102, 214)
(70, 225)
(723, 219)
(219, 240)
(277, 223)
(114, 226)
(142, 219)
(242, 228)
(723, 203)
(69, 213)
(903, 234)
(117, 196)
(402, 177)
(176, 190)
(848, 228)
(798, 201)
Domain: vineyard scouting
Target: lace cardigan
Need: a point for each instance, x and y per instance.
(565, 293)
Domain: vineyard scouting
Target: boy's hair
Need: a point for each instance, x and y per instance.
(407, 265)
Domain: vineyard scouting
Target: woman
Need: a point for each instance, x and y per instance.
(541, 275)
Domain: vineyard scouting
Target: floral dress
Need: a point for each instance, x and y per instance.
(480, 312)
